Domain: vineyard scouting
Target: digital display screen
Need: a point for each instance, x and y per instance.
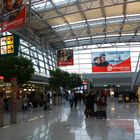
(9, 45)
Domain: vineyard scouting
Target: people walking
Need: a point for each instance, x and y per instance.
(71, 99)
(45, 98)
(75, 99)
(89, 103)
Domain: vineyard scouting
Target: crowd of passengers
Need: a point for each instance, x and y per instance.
(34, 100)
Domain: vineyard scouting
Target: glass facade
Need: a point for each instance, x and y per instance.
(43, 59)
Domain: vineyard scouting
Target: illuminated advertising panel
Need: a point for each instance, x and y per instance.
(13, 14)
(9, 45)
(112, 61)
(65, 57)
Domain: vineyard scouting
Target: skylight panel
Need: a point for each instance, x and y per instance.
(39, 5)
(83, 38)
(70, 40)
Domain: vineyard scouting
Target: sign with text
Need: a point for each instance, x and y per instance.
(65, 57)
(13, 14)
(9, 45)
(112, 61)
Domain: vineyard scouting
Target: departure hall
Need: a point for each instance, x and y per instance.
(69, 69)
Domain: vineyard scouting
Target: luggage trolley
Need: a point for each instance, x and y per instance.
(100, 112)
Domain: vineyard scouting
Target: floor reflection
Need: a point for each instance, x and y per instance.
(62, 123)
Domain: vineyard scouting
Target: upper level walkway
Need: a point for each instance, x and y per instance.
(63, 123)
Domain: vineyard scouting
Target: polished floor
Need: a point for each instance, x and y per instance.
(62, 123)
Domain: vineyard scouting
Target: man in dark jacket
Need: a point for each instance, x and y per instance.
(89, 103)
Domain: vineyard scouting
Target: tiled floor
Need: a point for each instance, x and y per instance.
(62, 123)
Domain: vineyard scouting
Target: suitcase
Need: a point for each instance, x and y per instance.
(89, 112)
(100, 114)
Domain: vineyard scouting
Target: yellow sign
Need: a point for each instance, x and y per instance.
(10, 49)
(10, 40)
(9, 45)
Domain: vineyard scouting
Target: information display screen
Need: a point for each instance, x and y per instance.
(9, 45)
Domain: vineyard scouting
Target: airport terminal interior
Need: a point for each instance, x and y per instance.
(97, 39)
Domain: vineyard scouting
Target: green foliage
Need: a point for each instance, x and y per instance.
(91, 85)
(65, 79)
(75, 80)
(59, 78)
(54, 80)
(19, 67)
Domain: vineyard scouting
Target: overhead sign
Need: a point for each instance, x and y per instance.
(112, 61)
(13, 14)
(9, 45)
(65, 57)
(1, 78)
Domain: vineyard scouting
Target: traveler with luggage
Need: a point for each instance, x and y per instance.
(89, 103)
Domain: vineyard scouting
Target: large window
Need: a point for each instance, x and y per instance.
(42, 59)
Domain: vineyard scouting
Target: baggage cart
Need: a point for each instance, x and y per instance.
(100, 112)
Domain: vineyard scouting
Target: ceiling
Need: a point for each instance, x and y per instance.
(70, 23)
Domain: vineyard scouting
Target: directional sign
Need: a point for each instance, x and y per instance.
(10, 40)
(3, 41)
(10, 49)
(9, 45)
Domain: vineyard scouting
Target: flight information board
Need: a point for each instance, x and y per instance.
(9, 45)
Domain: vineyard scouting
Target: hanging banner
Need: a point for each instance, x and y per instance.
(13, 14)
(114, 61)
(9, 45)
(65, 57)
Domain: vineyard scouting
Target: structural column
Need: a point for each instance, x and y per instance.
(13, 110)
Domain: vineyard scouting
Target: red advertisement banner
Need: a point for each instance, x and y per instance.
(65, 57)
(111, 61)
(13, 15)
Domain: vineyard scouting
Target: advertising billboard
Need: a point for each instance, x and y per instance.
(112, 61)
(65, 57)
(9, 45)
(13, 14)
